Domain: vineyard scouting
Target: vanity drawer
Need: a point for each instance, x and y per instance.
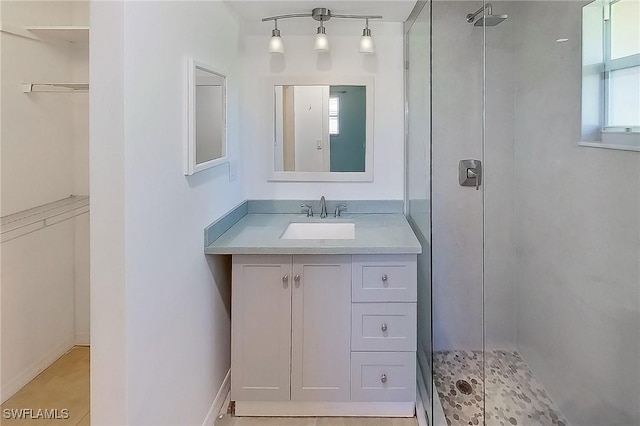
(384, 278)
(383, 376)
(383, 326)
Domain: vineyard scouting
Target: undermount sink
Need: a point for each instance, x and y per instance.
(319, 231)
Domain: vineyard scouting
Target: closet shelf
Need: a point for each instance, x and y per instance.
(74, 34)
(21, 223)
(55, 87)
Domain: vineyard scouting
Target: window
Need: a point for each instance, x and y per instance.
(611, 72)
(334, 120)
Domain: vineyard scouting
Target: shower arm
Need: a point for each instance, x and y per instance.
(472, 16)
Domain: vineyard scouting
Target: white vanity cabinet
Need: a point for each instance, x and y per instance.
(323, 335)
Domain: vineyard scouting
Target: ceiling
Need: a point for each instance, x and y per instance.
(391, 10)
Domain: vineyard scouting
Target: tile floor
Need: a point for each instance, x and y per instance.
(64, 385)
(514, 395)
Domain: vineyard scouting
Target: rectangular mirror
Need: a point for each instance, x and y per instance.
(323, 132)
(207, 134)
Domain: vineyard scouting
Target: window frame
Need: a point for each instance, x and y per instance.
(596, 102)
(610, 65)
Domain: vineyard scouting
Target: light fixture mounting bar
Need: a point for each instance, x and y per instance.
(320, 14)
(357, 16)
(293, 15)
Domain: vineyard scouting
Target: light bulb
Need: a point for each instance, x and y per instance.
(366, 45)
(322, 42)
(366, 42)
(275, 45)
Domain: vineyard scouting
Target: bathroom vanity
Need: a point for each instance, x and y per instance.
(322, 326)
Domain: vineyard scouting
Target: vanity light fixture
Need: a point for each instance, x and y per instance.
(275, 44)
(321, 41)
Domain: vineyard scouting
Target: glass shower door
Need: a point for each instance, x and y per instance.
(457, 214)
(418, 182)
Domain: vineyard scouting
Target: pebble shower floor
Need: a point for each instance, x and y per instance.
(514, 395)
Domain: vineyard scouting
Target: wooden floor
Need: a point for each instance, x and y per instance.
(228, 420)
(64, 385)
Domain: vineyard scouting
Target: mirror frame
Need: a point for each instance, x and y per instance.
(190, 162)
(367, 175)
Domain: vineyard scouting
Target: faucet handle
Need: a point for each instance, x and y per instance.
(339, 208)
(309, 209)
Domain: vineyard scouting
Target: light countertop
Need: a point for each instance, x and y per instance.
(374, 234)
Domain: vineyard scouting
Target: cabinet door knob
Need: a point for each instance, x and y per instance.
(384, 327)
(383, 378)
(285, 280)
(296, 278)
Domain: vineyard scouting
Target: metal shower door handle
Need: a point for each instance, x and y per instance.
(470, 173)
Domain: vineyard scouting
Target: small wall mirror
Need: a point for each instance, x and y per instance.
(323, 132)
(207, 130)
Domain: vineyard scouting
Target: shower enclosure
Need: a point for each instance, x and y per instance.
(529, 284)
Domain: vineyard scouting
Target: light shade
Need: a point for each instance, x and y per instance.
(366, 42)
(322, 42)
(275, 44)
(366, 45)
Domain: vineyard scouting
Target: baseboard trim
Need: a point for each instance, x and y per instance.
(218, 402)
(82, 339)
(324, 408)
(37, 367)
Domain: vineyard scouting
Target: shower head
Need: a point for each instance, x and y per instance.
(488, 20)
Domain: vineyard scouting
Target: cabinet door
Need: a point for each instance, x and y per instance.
(321, 331)
(260, 328)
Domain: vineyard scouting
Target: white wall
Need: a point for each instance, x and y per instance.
(160, 307)
(43, 146)
(109, 393)
(37, 303)
(310, 127)
(578, 227)
(80, 73)
(37, 130)
(301, 60)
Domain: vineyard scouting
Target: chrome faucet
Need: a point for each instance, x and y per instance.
(309, 209)
(323, 207)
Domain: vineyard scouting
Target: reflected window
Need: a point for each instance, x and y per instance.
(334, 118)
(611, 69)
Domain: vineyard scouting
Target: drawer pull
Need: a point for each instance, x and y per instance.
(384, 327)
(383, 378)
(296, 278)
(385, 280)
(285, 280)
